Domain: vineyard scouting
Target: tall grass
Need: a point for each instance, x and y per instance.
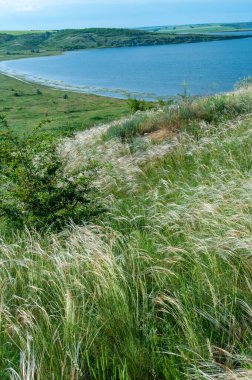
(185, 111)
(160, 288)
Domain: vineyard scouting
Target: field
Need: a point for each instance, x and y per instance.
(25, 105)
(201, 28)
(156, 286)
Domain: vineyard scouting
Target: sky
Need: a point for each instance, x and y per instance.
(58, 14)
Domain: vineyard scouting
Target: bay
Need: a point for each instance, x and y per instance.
(148, 72)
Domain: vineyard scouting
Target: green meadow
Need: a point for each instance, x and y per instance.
(26, 105)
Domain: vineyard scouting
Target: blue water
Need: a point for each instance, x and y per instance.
(149, 72)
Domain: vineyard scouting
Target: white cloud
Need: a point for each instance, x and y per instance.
(31, 5)
(19, 5)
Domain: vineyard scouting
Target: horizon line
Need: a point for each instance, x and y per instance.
(135, 27)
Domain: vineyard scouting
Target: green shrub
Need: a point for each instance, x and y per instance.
(35, 189)
(138, 105)
(17, 94)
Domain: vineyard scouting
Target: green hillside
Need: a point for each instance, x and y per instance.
(125, 250)
(12, 45)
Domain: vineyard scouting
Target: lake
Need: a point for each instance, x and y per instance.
(146, 72)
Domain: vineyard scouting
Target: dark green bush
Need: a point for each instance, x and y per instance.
(35, 189)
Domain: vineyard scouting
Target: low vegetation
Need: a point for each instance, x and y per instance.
(67, 112)
(183, 112)
(156, 287)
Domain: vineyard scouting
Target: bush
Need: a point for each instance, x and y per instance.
(138, 105)
(38, 91)
(35, 189)
(17, 94)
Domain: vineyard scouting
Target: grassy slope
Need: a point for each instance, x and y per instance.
(64, 40)
(160, 288)
(77, 112)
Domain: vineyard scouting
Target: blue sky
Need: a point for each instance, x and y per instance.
(56, 14)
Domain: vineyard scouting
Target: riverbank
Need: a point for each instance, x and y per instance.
(88, 90)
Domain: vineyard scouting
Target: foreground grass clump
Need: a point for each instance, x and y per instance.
(160, 289)
(183, 114)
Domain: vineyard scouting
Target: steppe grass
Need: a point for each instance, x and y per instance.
(184, 112)
(159, 288)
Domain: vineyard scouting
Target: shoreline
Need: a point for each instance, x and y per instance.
(87, 90)
(102, 92)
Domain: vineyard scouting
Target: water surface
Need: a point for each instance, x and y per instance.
(147, 72)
